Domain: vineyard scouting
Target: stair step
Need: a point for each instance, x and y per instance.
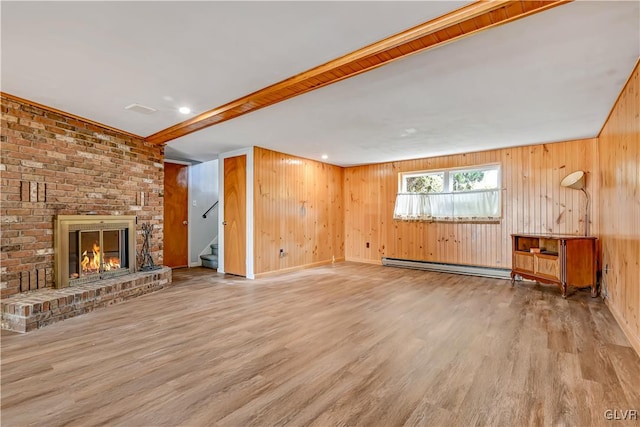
(210, 264)
(209, 261)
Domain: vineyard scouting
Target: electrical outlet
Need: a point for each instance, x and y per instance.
(282, 253)
(367, 245)
(195, 203)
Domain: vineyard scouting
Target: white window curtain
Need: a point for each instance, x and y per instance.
(483, 205)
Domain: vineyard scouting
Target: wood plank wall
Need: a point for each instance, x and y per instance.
(532, 201)
(298, 206)
(619, 152)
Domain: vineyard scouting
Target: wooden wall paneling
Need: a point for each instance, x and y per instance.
(571, 199)
(552, 184)
(582, 200)
(261, 184)
(378, 198)
(463, 250)
(518, 190)
(509, 213)
(337, 205)
(523, 190)
(296, 222)
(546, 188)
(349, 238)
(574, 196)
(334, 203)
(380, 245)
(298, 207)
(306, 211)
(619, 208)
(560, 216)
(369, 225)
(563, 218)
(535, 163)
(555, 176)
(316, 242)
(531, 191)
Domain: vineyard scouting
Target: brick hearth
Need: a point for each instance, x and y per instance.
(33, 310)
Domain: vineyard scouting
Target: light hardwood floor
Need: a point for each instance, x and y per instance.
(346, 344)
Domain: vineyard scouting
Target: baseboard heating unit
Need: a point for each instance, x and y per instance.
(470, 270)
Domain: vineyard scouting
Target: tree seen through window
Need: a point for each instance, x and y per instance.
(425, 184)
(464, 181)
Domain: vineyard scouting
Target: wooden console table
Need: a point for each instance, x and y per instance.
(556, 259)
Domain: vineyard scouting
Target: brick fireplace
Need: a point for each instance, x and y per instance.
(53, 165)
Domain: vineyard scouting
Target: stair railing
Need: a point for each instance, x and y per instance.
(204, 215)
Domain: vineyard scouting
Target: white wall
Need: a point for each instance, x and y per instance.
(203, 193)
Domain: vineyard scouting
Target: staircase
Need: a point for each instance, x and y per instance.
(211, 260)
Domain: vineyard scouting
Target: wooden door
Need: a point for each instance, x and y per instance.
(235, 215)
(176, 215)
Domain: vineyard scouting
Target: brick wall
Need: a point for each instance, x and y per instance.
(52, 164)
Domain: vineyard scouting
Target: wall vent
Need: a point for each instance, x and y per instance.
(140, 109)
(470, 270)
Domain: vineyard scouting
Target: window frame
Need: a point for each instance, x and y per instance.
(447, 182)
(448, 189)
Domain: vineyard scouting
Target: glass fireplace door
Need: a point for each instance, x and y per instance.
(89, 252)
(114, 244)
(96, 254)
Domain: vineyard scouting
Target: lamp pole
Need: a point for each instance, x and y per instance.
(586, 213)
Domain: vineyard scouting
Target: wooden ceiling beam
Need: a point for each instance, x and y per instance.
(470, 19)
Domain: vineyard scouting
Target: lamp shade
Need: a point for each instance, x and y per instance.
(574, 180)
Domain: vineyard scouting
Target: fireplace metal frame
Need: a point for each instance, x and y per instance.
(66, 223)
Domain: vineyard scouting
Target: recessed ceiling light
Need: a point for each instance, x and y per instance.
(325, 157)
(184, 110)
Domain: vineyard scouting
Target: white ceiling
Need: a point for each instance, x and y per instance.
(550, 77)
(94, 58)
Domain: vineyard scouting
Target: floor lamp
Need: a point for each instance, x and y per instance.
(577, 181)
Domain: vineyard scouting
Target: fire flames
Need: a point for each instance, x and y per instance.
(91, 264)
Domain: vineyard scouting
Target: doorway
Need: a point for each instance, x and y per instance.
(176, 214)
(235, 215)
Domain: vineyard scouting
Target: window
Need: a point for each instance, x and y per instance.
(469, 194)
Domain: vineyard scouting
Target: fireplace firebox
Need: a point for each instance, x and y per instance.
(93, 247)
